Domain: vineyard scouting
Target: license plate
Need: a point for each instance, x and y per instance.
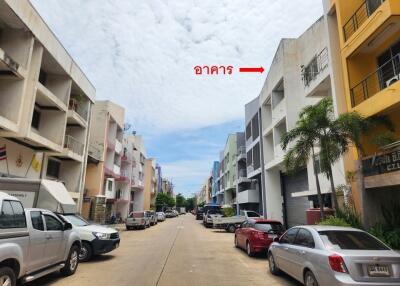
(378, 270)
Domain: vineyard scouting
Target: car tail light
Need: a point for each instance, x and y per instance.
(337, 263)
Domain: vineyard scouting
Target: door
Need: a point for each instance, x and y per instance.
(54, 236)
(37, 259)
(300, 251)
(295, 207)
(282, 253)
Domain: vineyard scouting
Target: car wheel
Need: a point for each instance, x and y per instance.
(128, 228)
(7, 277)
(236, 242)
(231, 228)
(86, 252)
(248, 249)
(72, 261)
(272, 265)
(309, 279)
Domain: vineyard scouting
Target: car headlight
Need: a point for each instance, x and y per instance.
(101, 235)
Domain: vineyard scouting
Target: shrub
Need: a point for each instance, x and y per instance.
(227, 212)
(335, 221)
(389, 236)
(350, 216)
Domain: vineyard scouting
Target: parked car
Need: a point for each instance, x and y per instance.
(210, 216)
(256, 235)
(199, 213)
(231, 223)
(160, 216)
(34, 242)
(330, 255)
(153, 217)
(96, 239)
(169, 214)
(176, 213)
(137, 220)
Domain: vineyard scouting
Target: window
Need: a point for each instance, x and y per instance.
(305, 238)
(256, 155)
(12, 215)
(36, 118)
(76, 220)
(289, 236)
(53, 168)
(276, 228)
(37, 220)
(248, 131)
(255, 128)
(42, 77)
(249, 158)
(352, 240)
(52, 223)
(252, 214)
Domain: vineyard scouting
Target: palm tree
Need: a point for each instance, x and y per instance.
(305, 139)
(354, 128)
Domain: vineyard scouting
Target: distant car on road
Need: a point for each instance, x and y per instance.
(330, 255)
(137, 220)
(231, 223)
(176, 213)
(153, 217)
(210, 216)
(256, 235)
(199, 213)
(160, 216)
(169, 214)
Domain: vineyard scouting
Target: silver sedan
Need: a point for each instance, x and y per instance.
(329, 255)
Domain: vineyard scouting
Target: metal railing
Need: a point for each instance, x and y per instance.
(367, 8)
(73, 144)
(315, 67)
(384, 76)
(242, 173)
(78, 107)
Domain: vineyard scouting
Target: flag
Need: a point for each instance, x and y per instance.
(3, 153)
(35, 164)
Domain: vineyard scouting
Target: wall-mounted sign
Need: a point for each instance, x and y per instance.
(27, 198)
(383, 163)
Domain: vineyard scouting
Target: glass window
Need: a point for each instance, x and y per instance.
(53, 168)
(269, 227)
(76, 220)
(252, 214)
(52, 223)
(248, 131)
(249, 158)
(289, 236)
(6, 216)
(305, 238)
(37, 221)
(354, 240)
(256, 155)
(36, 118)
(255, 128)
(19, 214)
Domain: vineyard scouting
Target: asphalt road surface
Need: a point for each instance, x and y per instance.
(177, 252)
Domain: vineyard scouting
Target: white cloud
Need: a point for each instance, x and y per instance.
(141, 54)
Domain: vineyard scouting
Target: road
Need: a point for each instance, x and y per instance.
(179, 251)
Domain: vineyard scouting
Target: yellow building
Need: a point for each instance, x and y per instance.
(366, 34)
(150, 184)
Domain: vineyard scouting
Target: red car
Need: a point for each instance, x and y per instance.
(256, 235)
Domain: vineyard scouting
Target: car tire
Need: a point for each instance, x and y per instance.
(248, 249)
(231, 228)
(86, 252)
(309, 279)
(272, 265)
(72, 262)
(128, 228)
(7, 276)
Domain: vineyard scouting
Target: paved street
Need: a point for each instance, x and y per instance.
(179, 251)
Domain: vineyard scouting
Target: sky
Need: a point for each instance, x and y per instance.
(141, 54)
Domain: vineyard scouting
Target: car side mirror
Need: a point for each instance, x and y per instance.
(67, 226)
(276, 239)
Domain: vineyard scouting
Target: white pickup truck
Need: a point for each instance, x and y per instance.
(34, 243)
(231, 223)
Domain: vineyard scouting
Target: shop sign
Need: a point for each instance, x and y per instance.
(381, 164)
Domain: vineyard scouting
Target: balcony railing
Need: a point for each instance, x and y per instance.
(73, 144)
(367, 8)
(386, 75)
(315, 67)
(78, 107)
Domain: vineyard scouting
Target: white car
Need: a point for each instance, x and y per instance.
(96, 239)
(160, 216)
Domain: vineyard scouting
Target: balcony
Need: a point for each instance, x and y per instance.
(77, 114)
(242, 176)
(123, 176)
(95, 153)
(9, 68)
(136, 183)
(117, 170)
(73, 148)
(385, 76)
(241, 153)
(118, 147)
(248, 196)
(361, 15)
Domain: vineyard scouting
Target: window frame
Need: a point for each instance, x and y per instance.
(285, 234)
(302, 245)
(41, 217)
(13, 214)
(53, 217)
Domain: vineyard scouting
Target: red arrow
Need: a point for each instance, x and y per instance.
(260, 69)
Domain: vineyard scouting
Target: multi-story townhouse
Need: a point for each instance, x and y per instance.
(137, 174)
(365, 37)
(45, 102)
(167, 187)
(150, 183)
(251, 196)
(159, 178)
(215, 182)
(299, 76)
(221, 179)
(106, 135)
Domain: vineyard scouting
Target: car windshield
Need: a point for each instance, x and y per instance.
(351, 240)
(252, 214)
(136, 215)
(214, 212)
(269, 227)
(76, 220)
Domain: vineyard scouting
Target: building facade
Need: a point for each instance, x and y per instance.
(150, 184)
(215, 182)
(45, 102)
(365, 36)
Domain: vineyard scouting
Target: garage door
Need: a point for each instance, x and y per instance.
(295, 207)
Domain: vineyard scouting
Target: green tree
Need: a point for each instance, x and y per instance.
(190, 204)
(180, 200)
(164, 200)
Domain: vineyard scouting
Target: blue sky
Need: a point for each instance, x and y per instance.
(141, 55)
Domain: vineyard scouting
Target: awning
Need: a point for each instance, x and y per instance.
(55, 197)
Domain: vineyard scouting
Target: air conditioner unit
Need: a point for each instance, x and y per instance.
(392, 80)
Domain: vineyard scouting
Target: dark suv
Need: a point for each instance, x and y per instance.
(199, 213)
